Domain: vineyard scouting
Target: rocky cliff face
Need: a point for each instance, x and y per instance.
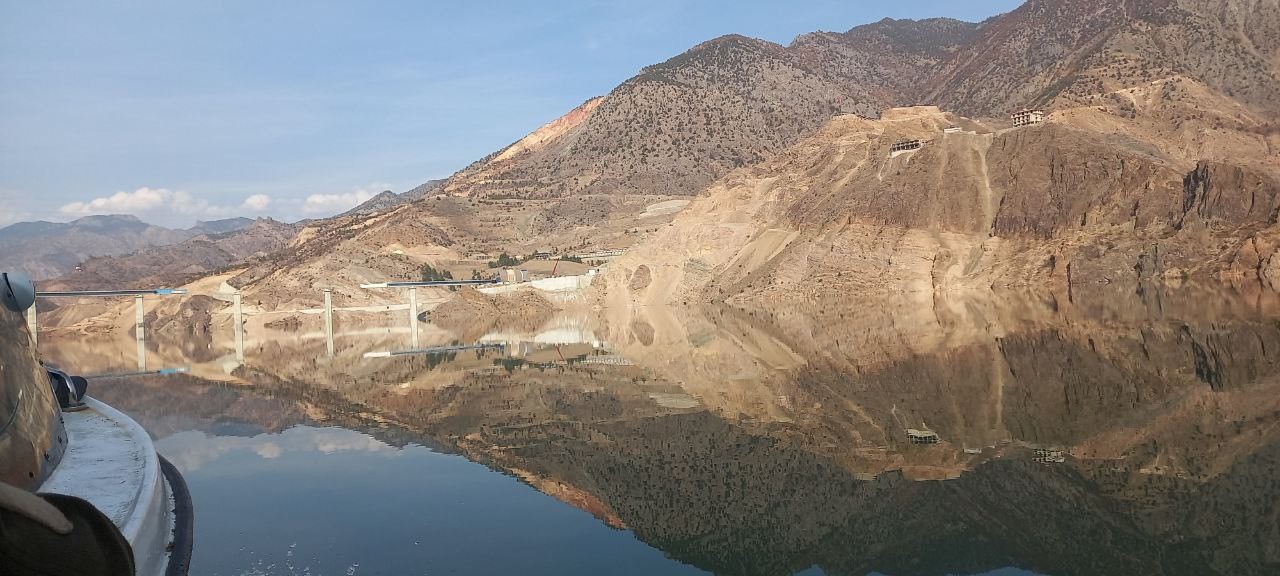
(1061, 204)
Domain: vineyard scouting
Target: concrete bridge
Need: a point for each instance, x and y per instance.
(33, 325)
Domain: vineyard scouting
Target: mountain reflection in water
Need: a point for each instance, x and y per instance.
(1100, 433)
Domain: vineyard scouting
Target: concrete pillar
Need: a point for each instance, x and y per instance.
(139, 315)
(413, 316)
(238, 322)
(32, 326)
(142, 355)
(328, 319)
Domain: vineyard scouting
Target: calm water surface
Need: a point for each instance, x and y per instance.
(1106, 433)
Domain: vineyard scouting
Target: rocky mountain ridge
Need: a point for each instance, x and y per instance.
(180, 262)
(387, 199)
(48, 249)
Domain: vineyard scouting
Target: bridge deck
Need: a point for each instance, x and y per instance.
(79, 293)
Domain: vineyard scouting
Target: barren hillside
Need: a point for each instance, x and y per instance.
(1063, 204)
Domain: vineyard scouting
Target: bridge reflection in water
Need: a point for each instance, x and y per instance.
(1099, 434)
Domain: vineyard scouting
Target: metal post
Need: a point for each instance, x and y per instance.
(239, 325)
(413, 316)
(139, 314)
(328, 319)
(32, 326)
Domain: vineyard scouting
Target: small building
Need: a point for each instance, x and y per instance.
(904, 145)
(1048, 456)
(601, 254)
(922, 436)
(1028, 117)
(542, 254)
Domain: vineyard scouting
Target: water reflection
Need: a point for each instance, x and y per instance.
(1101, 433)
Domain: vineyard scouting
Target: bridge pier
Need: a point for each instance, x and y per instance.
(236, 318)
(32, 326)
(328, 319)
(139, 311)
(413, 316)
(139, 316)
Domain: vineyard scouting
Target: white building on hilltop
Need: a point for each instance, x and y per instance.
(1028, 117)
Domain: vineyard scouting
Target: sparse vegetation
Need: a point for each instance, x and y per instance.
(430, 274)
(505, 260)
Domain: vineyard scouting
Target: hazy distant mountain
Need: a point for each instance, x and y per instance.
(175, 264)
(48, 249)
(221, 226)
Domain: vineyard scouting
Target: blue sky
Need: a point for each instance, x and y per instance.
(178, 111)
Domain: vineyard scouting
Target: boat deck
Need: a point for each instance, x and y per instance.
(111, 462)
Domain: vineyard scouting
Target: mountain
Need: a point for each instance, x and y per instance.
(378, 203)
(1047, 52)
(49, 249)
(1158, 160)
(422, 190)
(678, 125)
(221, 226)
(388, 199)
(734, 101)
(1061, 205)
(586, 179)
(178, 263)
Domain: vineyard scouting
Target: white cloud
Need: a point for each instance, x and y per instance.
(335, 203)
(256, 203)
(162, 202)
(193, 450)
(140, 200)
